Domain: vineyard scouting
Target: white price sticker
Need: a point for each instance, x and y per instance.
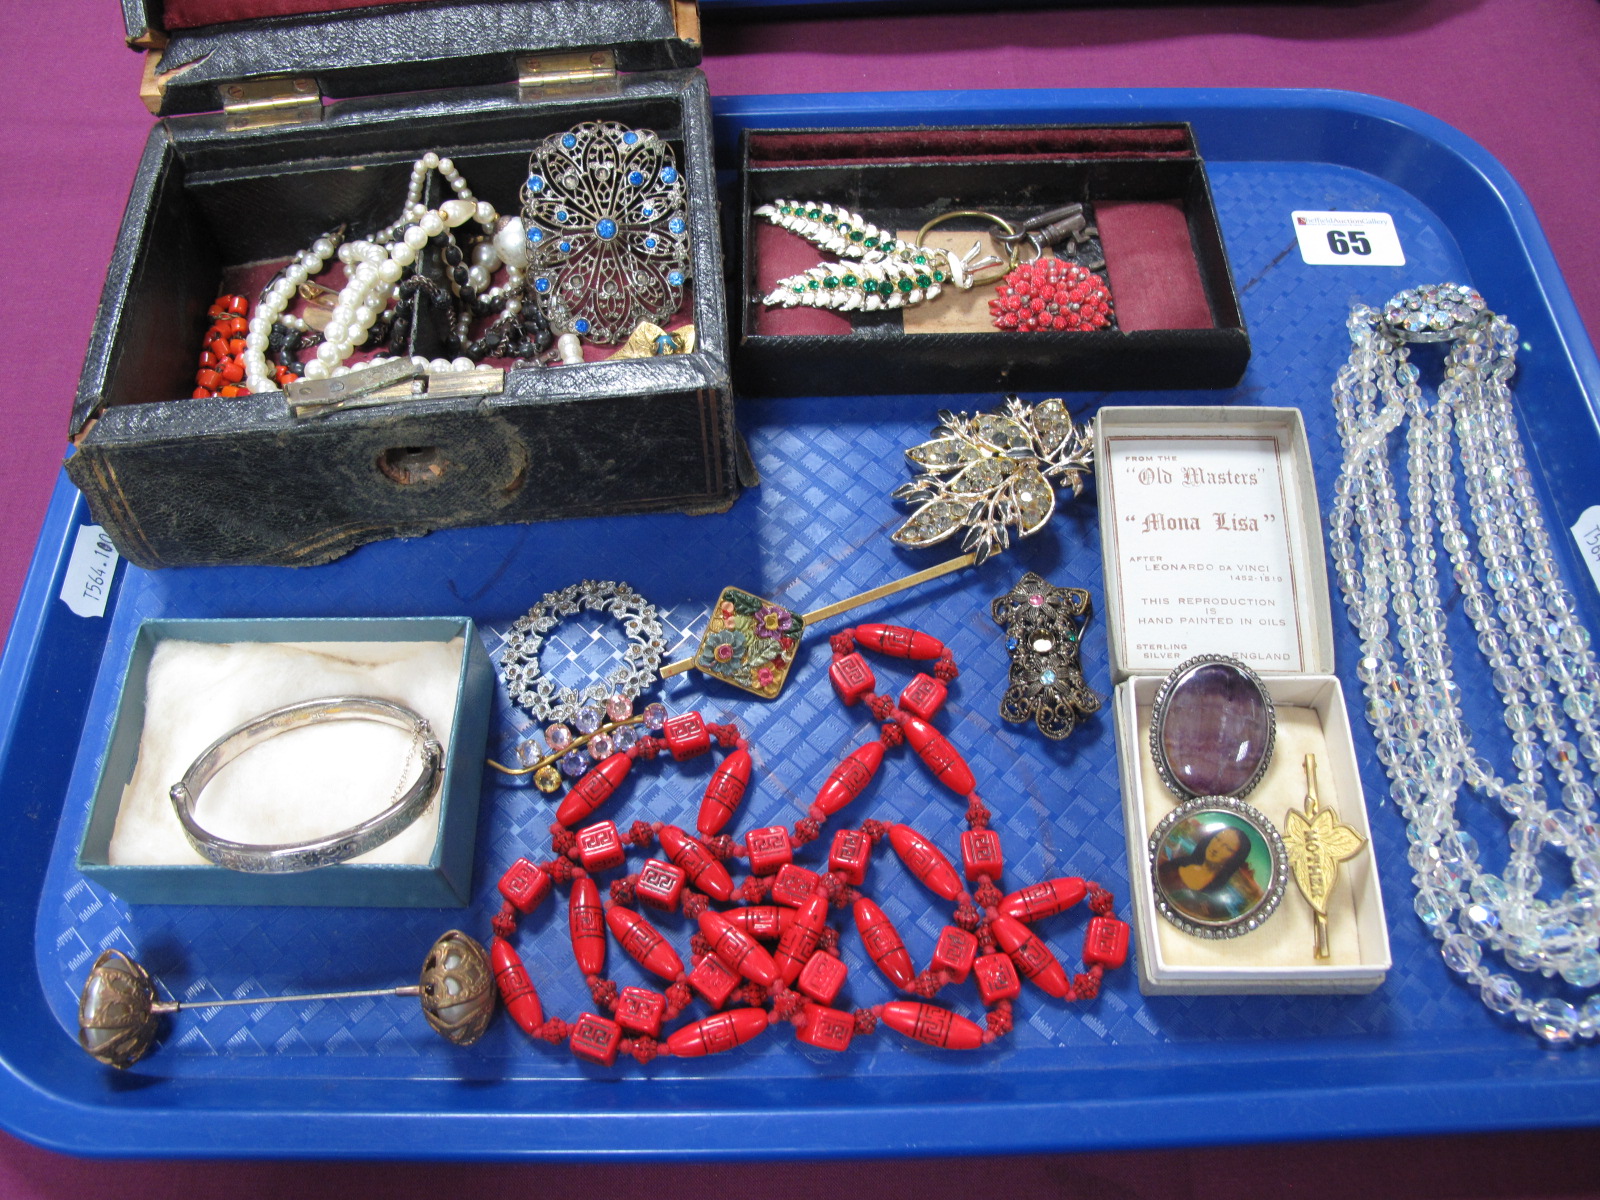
(1587, 531)
(1346, 239)
(87, 585)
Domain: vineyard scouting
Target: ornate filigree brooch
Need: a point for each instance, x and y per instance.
(991, 471)
(1044, 628)
(608, 241)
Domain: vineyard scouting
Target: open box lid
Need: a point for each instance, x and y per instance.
(278, 55)
(1211, 536)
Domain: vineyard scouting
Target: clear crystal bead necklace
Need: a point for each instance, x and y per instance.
(1463, 441)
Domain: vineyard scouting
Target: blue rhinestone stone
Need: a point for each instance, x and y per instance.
(675, 278)
(536, 183)
(649, 243)
(676, 225)
(669, 174)
(636, 178)
(581, 325)
(568, 140)
(1047, 677)
(630, 138)
(605, 228)
(535, 235)
(542, 284)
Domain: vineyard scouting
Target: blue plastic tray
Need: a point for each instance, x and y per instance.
(1418, 1055)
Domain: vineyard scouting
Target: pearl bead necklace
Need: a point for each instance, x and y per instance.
(375, 266)
(275, 299)
(1536, 652)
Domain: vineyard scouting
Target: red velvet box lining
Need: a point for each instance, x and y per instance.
(835, 147)
(194, 14)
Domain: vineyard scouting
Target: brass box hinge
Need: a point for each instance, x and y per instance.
(258, 103)
(686, 21)
(579, 72)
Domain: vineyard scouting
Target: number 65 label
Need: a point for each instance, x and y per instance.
(1343, 239)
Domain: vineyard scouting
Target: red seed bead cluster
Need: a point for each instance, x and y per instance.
(773, 956)
(1050, 294)
(221, 371)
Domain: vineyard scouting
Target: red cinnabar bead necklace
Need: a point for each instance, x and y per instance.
(785, 905)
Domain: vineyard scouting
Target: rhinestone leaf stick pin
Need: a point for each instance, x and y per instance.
(991, 471)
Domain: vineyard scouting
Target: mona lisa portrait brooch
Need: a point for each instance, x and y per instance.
(1218, 866)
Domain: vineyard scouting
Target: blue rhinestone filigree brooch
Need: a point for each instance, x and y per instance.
(608, 239)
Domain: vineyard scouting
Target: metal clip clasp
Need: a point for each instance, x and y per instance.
(318, 397)
(391, 383)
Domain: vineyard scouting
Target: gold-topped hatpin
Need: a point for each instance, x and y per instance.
(1317, 844)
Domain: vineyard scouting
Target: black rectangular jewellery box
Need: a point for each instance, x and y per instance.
(274, 129)
(1140, 198)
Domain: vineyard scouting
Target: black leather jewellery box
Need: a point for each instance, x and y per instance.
(1129, 204)
(275, 129)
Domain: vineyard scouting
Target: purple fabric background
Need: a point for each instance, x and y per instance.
(1522, 77)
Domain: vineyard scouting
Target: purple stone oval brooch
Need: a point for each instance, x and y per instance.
(1212, 728)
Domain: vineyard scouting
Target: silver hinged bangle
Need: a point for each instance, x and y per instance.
(317, 852)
